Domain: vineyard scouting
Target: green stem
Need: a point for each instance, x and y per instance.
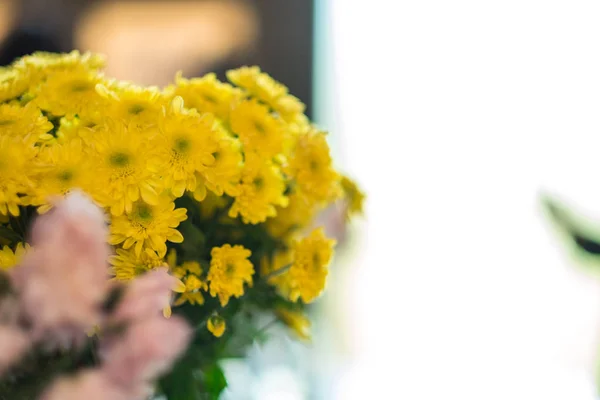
(278, 271)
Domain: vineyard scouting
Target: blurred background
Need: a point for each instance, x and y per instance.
(454, 117)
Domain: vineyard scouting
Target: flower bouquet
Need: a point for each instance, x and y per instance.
(148, 233)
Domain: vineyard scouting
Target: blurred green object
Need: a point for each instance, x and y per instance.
(581, 235)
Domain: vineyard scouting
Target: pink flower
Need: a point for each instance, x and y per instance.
(147, 350)
(147, 295)
(13, 343)
(63, 280)
(88, 385)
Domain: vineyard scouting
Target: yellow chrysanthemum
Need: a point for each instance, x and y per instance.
(259, 131)
(126, 264)
(223, 176)
(16, 156)
(61, 168)
(13, 83)
(310, 166)
(27, 121)
(216, 325)
(122, 167)
(70, 93)
(229, 270)
(9, 257)
(353, 195)
(262, 188)
(297, 215)
(189, 273)
(38, 66)
(257, 83)
(187, 142)
(148, 226)
(75, 129)
(267, 90)
(133, 104)
(307, 275)
(206, 94)
(290, 108)
(193, 287)
(296, 321)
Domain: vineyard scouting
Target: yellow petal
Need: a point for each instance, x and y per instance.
(138, 248)
(178, 188)
(179, 301)
(200, 192)
(13, 208)
(179, 287)
(174, 236)
(133, 193)
(149, 195)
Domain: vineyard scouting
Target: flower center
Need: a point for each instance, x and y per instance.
(316, 259)
(260, 128)
(182, 145)
(209, 98)
(81, 86)
(65, 176)
(258, 182)
(229, 269)
(142, 215)
(119, 159)
(136, 109)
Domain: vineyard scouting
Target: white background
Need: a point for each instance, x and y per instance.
(454, 115)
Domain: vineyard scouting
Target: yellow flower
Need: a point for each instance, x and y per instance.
(290, 108)
(206, 94)
(297, 215)
(28, 121)
(10, 258)
(307, 275)
(310, 166)
(75, 129)
(257, 83)
(187, 143)
(353, 195)
(61, 168)
(259, 131)
(189, 273)
(13, 83)
(216, 325)
(126, 265)
(148, 226)
(133, 104)
(267, 90)
(193, 287)
(16, 156)
(38, 66)
(122, 167)
(223, 176)
(296, 321)
(262, 189)
(229, 270)
(70, 93)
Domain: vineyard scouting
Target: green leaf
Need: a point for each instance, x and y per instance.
(180, 383)
(9, 234)
(214, 382)
(582, 236)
